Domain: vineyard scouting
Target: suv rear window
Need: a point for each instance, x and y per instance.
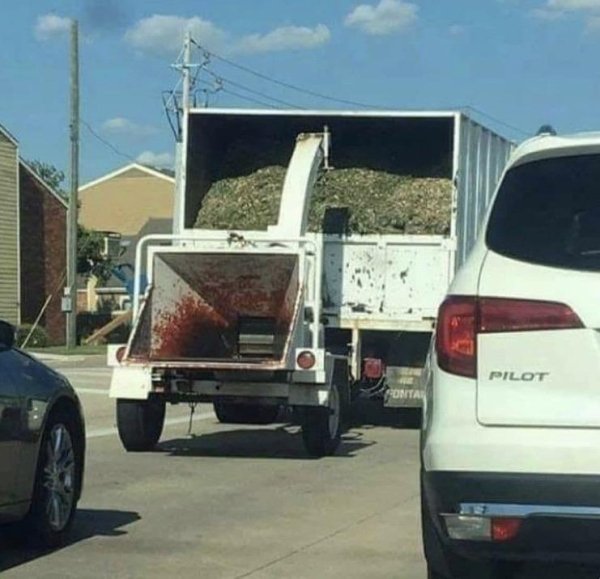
(548, 212)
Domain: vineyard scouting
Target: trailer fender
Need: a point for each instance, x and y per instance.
(308, 395)
(316, 393)
(134, 383)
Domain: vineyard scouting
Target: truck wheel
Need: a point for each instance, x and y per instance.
(140, 423)
(228, 413)
(322, 426)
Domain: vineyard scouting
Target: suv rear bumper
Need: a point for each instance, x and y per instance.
(561, 513)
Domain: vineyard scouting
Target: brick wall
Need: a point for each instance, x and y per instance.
(43, 255)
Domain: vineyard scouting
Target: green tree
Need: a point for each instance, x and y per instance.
(50, 175)
(91, 259)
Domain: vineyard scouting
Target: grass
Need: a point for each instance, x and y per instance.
(77, 351)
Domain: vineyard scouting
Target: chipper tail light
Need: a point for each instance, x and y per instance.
(306, 360)
(462, 318)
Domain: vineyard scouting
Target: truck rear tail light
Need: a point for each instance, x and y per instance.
(462, 318)
(373, 368)
(306, 360)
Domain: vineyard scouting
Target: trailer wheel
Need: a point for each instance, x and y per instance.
(140, 423)
(322, 426)
(228, 413)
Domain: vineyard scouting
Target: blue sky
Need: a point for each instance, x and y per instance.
(524, 62)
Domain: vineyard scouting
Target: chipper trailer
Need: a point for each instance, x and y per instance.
(256, 320)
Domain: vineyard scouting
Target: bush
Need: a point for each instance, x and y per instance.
(39, 338)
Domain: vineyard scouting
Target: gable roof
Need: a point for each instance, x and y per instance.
(9, 136)
(165, 174)
(28, 169)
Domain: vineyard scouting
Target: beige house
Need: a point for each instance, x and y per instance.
(9, 228)
(134, 200)
(124, 200)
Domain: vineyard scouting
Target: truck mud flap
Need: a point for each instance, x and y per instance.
(404, 387)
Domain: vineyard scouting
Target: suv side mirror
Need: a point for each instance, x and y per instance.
(7, 335)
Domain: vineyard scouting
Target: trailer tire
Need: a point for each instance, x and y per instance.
(140, 423)
(322, 427)
(228, 413)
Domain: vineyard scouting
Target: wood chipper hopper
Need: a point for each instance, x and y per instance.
(219, 308)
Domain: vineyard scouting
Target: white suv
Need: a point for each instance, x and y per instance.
(511, 429)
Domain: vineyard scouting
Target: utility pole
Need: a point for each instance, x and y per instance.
(187, 82)
(70, 301)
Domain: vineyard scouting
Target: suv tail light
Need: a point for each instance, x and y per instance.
(462, 318)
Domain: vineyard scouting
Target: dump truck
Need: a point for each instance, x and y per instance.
(254, 321)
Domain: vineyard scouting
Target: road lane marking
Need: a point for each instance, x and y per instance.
(100, 432)
(103, 391)
(90, 372)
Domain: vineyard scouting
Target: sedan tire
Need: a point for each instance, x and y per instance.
(57, 481)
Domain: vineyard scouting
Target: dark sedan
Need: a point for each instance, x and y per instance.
(42, 445)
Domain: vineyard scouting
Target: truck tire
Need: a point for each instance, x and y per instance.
(322, 426)
(140, 423)
(228, 413)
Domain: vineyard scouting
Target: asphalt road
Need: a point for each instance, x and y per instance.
(237, 502)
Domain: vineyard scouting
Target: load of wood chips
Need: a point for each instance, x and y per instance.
(378, 202)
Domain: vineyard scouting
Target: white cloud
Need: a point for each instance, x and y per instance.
(571, 5)
(387, 17)
(457, 29)
(50, 26)
(284, 38)
(547, 14)
(592, 24)
(126, 127)
(557, 9)
(163, 160)
(162, 34)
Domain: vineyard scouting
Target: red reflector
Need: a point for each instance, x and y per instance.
(506, 315)
(373, 368)
(505, 529)
(456, 337)
(306, 360)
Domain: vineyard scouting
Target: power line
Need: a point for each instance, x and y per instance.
(497, 121)
(329, 97)
(282, 83)
(253, 91)
(238, 95)
(105, 142)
